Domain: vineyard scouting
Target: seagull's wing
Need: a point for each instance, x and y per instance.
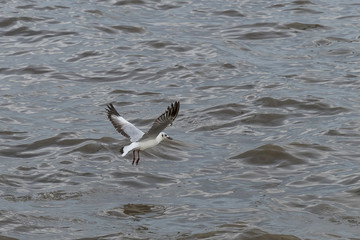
(163, 120)
(122, 126)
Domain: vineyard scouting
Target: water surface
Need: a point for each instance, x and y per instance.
(266, 141)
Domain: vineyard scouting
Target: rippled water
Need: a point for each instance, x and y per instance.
(266, 141)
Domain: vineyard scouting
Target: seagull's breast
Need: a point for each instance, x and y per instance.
(148, 143)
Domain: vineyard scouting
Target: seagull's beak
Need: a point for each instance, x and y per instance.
(169, 138)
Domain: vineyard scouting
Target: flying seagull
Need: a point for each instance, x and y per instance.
(140, 140)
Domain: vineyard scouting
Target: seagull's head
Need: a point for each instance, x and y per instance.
(164, 136)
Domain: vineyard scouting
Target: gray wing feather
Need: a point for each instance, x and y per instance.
(163, 120)
(122, 126)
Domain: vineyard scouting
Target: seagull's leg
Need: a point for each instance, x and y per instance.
(137, 161)
(133, 157)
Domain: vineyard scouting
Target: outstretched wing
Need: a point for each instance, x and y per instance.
(163, 120)
(122, 126)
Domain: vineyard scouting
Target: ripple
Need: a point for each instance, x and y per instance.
(341, 52)
(129, 2)
(239, 230)
(140, 210)
(48, 196)
(10, 135)
(38, 70)
(269, 155)
(130, 29)
(264, 35)
(315, 180)
(83, 55)
(304, 10)
(323, 209)
(11, 21)
(330, 41)
(265, 119)
(140, 180)
(33, 223)
(43, 34)
(229, 13)
(225, 111)
(311, 105)
(40, 147)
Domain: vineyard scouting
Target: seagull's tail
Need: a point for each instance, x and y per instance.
(124, 150)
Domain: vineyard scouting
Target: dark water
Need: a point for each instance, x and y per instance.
(267, 138)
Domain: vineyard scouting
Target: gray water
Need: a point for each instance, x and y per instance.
(266, 144)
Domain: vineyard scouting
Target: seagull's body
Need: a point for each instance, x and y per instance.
(140, 140)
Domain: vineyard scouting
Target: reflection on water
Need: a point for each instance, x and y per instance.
(266, 141)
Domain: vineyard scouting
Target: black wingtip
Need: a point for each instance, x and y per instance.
(111, 110)
(175, 108)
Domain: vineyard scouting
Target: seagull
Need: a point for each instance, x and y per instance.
(140, 140)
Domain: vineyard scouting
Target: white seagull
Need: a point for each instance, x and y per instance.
(140, 140)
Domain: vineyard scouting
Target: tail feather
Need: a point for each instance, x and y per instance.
(124, 150)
